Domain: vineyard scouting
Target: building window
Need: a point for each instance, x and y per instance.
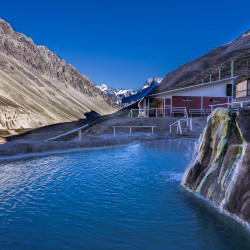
(214, 100)
(187, 99)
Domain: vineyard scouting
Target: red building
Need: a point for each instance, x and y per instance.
(191, 100)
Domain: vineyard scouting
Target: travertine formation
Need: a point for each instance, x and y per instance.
(38, 88)
(220, 170)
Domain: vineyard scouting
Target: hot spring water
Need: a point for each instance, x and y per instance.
(121, 198)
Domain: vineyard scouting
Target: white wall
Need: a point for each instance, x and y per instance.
(214, 89)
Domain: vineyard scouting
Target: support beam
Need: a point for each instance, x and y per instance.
(171, 105)
(232, 68)
(80, 135)
(191, 124)
(148, 107)
(164, 106)
(202, 104)
(179, 125)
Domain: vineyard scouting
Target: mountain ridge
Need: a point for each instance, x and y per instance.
(121, 97)
(116, 95)
(38, 88)
(199, 69)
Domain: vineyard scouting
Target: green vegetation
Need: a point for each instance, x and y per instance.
(4, 132)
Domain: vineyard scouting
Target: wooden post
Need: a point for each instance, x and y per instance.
(114, 131)
(164, 106)
(202, 103)
(171, 105)
(179, 125)
(130, 129)
(80, 135)
(232, 68)
(148, 107)
(156, 112)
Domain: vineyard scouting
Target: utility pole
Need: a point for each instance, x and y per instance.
(247, 67)
(232, 68)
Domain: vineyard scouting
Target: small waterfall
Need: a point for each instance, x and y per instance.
(195, 152)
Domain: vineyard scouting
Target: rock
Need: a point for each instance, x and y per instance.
(243, 120)
(221, 169)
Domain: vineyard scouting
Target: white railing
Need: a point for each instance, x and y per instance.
(179, 110)
(178, 125)
(229, 104)
(132, 113)
(130, 128)
(157, 112)
(70, 132)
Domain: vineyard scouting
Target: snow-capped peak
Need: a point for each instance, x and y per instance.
(126, 96)
(151, 81)
(102, 87)
(246, 34)
(116, 95)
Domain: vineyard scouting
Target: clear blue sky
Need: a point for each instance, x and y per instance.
(122, 43)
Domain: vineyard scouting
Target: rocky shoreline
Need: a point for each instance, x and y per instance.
(29, 148)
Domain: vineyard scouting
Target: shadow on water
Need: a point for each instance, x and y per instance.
(230, 233)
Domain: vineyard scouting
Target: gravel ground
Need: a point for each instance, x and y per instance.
(99, 133)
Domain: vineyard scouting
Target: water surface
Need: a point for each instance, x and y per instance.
(122, 198)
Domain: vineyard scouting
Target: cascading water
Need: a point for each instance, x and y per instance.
(220, 169)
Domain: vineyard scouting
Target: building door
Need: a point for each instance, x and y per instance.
(160, 106)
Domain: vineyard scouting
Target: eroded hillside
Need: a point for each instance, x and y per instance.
(37, 88)
(199, 70)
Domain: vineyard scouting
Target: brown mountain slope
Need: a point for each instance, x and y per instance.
(194, 72)
(37, 88)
